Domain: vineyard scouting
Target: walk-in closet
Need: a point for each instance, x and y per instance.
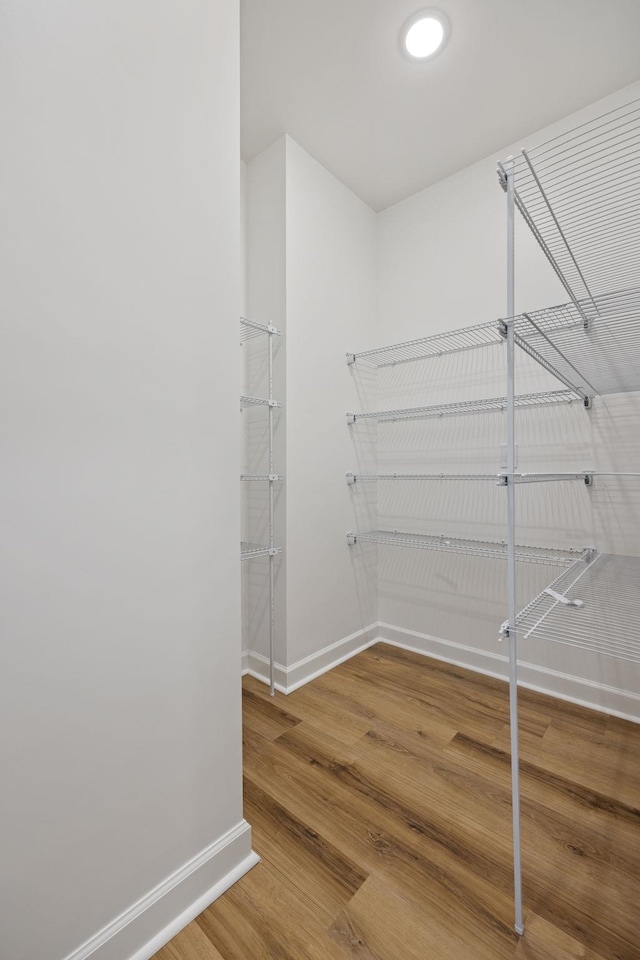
(321, 480)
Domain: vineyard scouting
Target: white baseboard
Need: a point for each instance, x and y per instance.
(289, 679)
(482, 661)
(564, 686)
(146, 926)
(596, 696)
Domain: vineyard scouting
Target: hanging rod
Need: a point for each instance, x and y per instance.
(467, 406)
(270, 477)
(496, 550)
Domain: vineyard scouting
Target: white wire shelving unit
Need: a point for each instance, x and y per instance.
(250, 329)
(437, 345)
(498, 478)
(488, 549)
(579, 193)
(463, 407)
(593, 605)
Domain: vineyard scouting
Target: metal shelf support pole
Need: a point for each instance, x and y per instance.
(511, 548)
(272, 608)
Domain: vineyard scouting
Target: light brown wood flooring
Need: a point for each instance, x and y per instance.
(379, 796)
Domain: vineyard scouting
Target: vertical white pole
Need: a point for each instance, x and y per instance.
(271, 531)
(511, 548)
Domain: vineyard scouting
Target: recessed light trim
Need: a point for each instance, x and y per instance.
(424, 35)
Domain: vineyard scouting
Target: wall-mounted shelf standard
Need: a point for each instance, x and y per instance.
(592, 606)
(249, 329)
(489, 549)
(467, 407)
(467, 338)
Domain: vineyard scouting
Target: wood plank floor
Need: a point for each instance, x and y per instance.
(379, 796)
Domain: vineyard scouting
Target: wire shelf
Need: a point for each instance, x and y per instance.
(488, 549)
(606, 622)
(250, 329)
(593, 344)
(438, 345)
(358, 477)
(261, 476)
(586, 476)
(467, 407)
(258, 402)
(580, 195)
(498, 478)
(250, 551)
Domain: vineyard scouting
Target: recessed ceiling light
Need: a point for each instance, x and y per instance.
(424, 34)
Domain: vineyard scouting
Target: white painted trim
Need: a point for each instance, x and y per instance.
(288, 679)
(142, 929)
(564, 686)
(258, 667)
(244, 667)
(307, 669)
(586, 693)
(531, 676)
(459, 654)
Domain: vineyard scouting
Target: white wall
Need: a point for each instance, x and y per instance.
(331, 304)
(441, 266)
(121, 747)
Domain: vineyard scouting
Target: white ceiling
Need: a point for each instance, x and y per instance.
(330, 74)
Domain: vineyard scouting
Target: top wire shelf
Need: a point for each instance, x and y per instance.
(592, 346)
(250, 329)
(580, 195)
(438, 345)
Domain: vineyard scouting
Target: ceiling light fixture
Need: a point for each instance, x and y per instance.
(424, 34)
